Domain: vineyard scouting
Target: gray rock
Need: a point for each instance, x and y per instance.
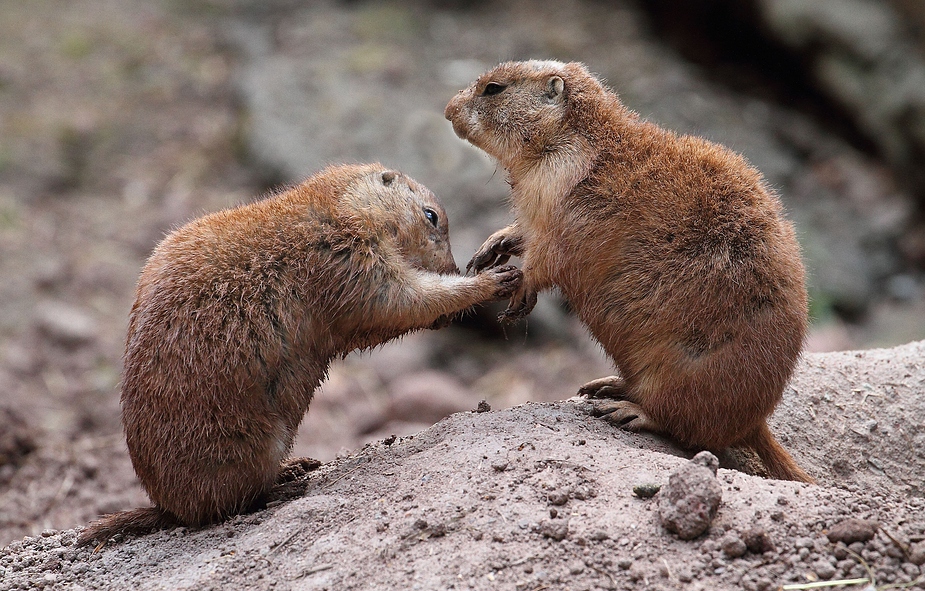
(427, 397)
(65, 324)
(862, 55)
(690, 500)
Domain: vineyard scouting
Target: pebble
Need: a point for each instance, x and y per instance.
(917, 553)
(500, 465)
(646, 491)
(599, 535)
(804, 542)
(690, 500)
(823, 569)
(757, 540)
(732, 545)
(555, 530)
(557, 498)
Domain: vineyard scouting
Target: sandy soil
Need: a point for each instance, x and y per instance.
(541, 496)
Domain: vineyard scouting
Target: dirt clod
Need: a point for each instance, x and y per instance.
(823, 569)
(757, 540)
(853, 530)
(917, 553)
(555, 530)
(690, 500)
(557, 498)
(732, 545)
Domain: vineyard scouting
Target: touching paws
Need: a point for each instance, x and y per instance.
(507, 279)
(495, 251)
(522, 303)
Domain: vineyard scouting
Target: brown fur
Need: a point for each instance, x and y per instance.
(238, 314)
(671, 249)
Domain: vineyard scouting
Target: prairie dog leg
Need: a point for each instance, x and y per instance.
(609, 387)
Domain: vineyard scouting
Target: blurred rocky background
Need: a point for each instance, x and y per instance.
(121, 119)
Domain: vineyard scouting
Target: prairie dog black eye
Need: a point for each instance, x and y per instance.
(431, 216)
(493, 88)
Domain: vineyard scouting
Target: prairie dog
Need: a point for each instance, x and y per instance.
(238, 314)
(671, 249)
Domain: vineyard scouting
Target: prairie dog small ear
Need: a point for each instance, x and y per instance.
(554, 87)
(387, 177)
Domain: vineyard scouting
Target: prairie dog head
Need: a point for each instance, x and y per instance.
(410, 215)
(521, 110)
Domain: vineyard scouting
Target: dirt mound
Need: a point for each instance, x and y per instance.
(542, 496)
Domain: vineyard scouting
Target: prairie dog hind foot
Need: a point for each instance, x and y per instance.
(626, 415)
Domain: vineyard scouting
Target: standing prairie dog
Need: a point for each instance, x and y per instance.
(238, 314)
(671, 249)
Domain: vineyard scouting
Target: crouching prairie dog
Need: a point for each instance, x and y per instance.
(238, 314)
(671, 249)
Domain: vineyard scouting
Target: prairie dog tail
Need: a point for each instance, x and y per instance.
(775, 458)
(135, 522)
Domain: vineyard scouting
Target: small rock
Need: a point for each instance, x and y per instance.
(554, 530)
(483, 406)
(840, 551)
(690, 500)
(557, 498)
(499, 465)
(707, 460)
(708, 546)
(917, 553)
(732, 545)
(823, 569)
(646, 491)
(853, 530)
(804, 542)
(757, 540)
